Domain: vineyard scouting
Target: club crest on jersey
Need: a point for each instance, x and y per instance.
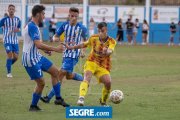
(77, 31)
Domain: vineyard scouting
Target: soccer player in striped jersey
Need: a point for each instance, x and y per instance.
(11, 25)
(35, 63)
(98, 62)
(74, 33)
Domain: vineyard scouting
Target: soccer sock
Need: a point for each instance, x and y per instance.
(78, 77)
(51, 94)
(35, 98)
(8, 65)
(83, 88)
(13, 61)
(105, 94)
(57, 90)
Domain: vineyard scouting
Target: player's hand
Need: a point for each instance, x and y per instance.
(82, 55)
(55, 39)
(49, 53)
(16, 30)
(105, 52)
(59, 49)
(68, 47)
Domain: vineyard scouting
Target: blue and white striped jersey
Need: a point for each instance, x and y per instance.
(73, 36)
(31, 55)
(9, 24)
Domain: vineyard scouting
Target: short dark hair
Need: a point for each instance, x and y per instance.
(74, 9)
(102, 24)
(37, 9)
(11, 5)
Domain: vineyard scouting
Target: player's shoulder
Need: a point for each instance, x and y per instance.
(31, 25)
(17, 17)
(94, 36)
(66, 22)
(81, 25)
(4, 18)
(112, 40)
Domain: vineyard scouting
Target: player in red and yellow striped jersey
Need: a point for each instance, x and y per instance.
(98, 62)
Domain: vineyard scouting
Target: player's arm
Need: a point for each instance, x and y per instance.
(84, 36)
(58, 33)
(83, 50)
(2, 22)
(34, 35)
(55, 38)
(108, 51)
(48, 48)
(79, 46)
(18, 29)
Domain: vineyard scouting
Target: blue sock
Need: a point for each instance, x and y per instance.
(8, 65)
(57, 90)
(78, 77)
(51, 94)
(13, 61)
(35, 98)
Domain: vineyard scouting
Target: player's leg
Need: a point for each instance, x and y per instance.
(15, 49)
(46, 99)
(54, 72)
(36, 74)
(89, 69)
(62, 73)
(40, 83)
(8, 48)
(103, 76)
(84, 87)
(70, 74)
(106, 80)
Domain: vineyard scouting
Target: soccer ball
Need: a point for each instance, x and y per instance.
(116, 96)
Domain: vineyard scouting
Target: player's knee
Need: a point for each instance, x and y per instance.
(55, 73)
(69, 76)
(41, 85)
(108, 84)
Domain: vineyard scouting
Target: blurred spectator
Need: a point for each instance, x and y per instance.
(104, 19)
(173, 32)
(119, 36)
(145, 28)
(5, 14)
(92, 26)
(135, 30)
(129, 31)
(52, 26)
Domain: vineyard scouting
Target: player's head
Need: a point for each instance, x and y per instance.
(11, 10)
(73, 15)
(38, 12)
(102, 30)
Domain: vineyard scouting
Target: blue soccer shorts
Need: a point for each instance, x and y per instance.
(68, 64)
(35, 72)
(11, 48)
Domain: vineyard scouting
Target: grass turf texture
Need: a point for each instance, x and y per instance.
(149, 77)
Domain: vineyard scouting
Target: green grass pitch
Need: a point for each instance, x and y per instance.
(149, 77)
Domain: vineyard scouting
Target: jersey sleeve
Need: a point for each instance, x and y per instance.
(33, 32)
(60, 30)
(2, 22)
(19, 24)
(88, 42)
(84, 33)
(112, 44)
